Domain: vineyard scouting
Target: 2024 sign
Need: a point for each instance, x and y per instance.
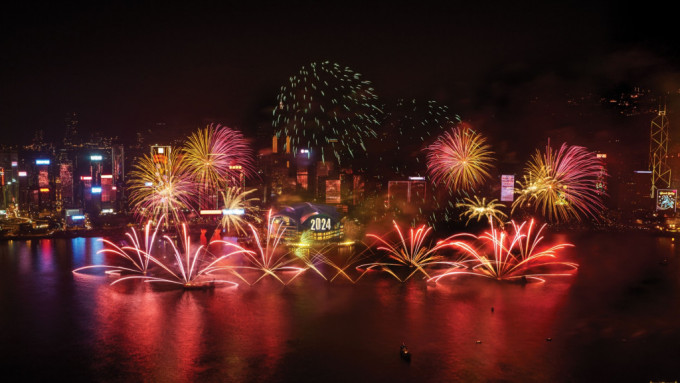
(320, 224)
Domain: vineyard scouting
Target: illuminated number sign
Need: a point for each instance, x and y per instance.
(320, 223)
(666, 199)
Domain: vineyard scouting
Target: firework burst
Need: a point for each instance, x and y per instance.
(515, 257)
(410, 253)
(481, 209)
(240, 208)
(562, 184)
(161, 186)
(461, 159)
(218, 156)
(328, 109)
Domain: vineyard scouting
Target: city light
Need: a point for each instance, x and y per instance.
(107, 176)
(233, 211)
(22, 174)
(77, 217)
(42, 162)
(15, 164)
(96, 190)
(85, 178)
(211, 212)
(95, 157)
(44, 190)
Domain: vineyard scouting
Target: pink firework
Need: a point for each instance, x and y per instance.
(511, 257)
(192, 267)
(138, 254)
(218, 156)
(562, 185)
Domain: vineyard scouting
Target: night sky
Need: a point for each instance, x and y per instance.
(125, 65)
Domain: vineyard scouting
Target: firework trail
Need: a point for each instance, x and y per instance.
(511, 257)
(410, 253)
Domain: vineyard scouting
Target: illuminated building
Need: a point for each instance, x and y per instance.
(71, 137)
(9, 185)
(321, 222)
(601, 183)
(406, 195)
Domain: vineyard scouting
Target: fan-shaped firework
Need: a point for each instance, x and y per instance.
(329, 109)
(161, 186)
(269, 257)
(561, 185)
(481, 209)
(513, 257)
(138, 254)
(408, 127)
(461, 159)
(216, 155)
(237, 209)
(193, 270)
(412, 255)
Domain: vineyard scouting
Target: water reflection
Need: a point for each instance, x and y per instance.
(614, 320)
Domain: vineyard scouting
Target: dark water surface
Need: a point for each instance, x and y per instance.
(616, 320)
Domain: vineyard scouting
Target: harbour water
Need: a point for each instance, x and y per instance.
(615, 320)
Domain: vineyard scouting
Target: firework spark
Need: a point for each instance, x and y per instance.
(161, 186)
(408, 127)
(461, 159)
(138, 254)
(192, 269)
(270, 258)
(328, 109)
(512, 257)
(217, 154)
(411, 254)
(561, 185)
(481, 209)
(239, 209)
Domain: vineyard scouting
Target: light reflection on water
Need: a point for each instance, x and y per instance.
(615, 320)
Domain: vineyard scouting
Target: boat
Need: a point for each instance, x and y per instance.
(404, 353)
(208, 285)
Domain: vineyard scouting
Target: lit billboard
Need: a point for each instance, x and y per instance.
(666, 199)
(507, 187)
(333, 191)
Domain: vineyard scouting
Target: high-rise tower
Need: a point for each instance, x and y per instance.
(658, 153)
